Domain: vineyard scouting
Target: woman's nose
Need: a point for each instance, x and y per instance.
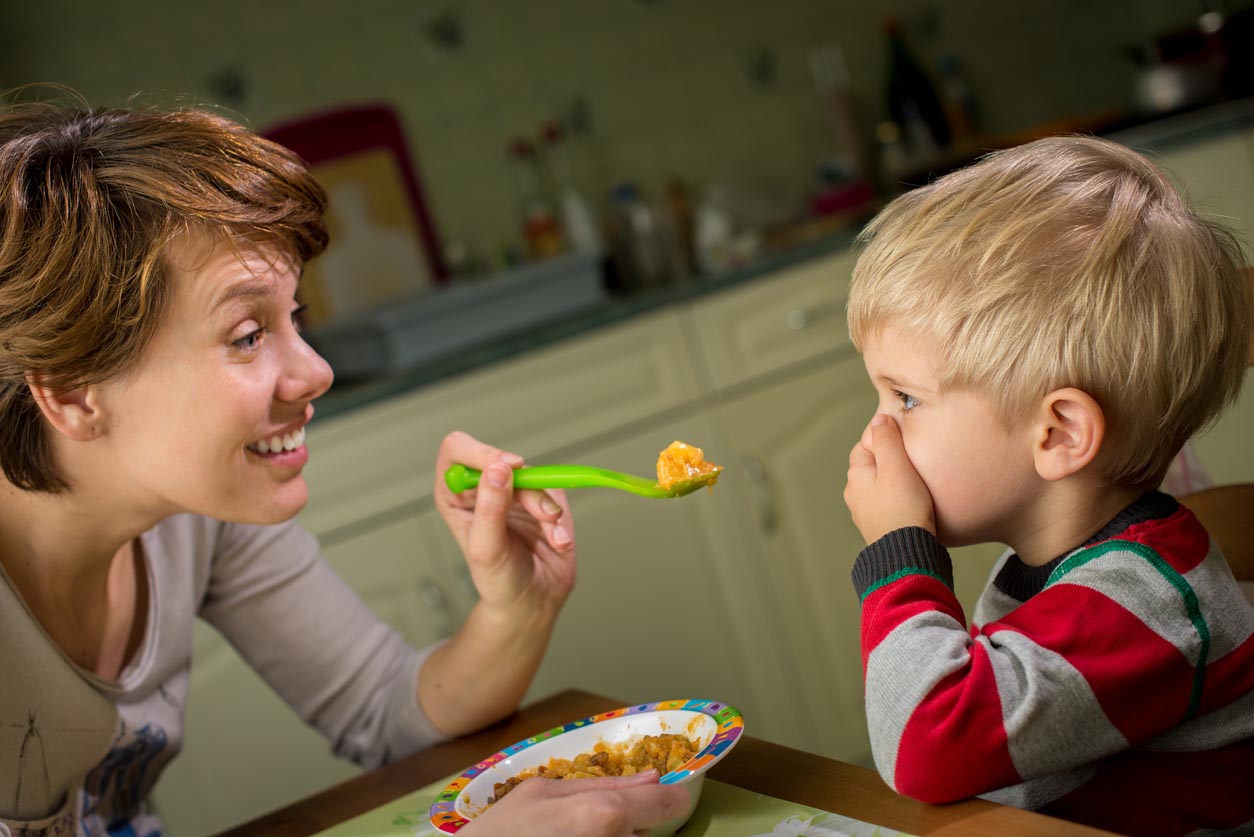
(305, 374)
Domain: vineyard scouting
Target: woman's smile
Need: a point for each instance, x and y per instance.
(281, 442)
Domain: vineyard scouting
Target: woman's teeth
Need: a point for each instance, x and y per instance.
(288, 441)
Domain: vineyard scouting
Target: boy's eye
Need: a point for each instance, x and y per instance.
(908, 402)
(298, 321)
(249, 341)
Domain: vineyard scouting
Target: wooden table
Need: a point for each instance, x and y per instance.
(754, 764)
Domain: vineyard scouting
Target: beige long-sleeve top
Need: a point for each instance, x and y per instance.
(79, 753)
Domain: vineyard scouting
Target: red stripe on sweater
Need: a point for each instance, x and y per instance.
(1178, 538)
(1166, 793)
(1141, 680)
(1228, 678)
(954, 744)
(894, 603)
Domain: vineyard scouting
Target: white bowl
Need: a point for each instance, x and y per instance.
(716, 727)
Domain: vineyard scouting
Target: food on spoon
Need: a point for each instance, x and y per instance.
(663, 753)
(682, 463)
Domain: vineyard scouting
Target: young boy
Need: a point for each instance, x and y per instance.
(1045, 330)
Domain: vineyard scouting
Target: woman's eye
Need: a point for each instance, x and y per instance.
(908, 402)
(298, 320)
(249, 341)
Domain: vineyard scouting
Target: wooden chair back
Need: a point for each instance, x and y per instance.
(1227, 512)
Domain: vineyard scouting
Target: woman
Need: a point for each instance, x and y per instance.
(154, 391)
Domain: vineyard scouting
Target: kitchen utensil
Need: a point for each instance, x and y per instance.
(459, 478)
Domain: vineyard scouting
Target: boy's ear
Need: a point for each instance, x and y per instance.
(1068, 433)
(75, 413)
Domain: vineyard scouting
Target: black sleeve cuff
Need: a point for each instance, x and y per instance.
(910, 548)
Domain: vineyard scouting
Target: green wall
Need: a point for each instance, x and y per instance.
(669, 81)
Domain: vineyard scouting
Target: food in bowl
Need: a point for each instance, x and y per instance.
(682, 463)
(715, 727)
(662, 753)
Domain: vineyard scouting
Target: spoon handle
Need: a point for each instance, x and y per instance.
(459, 478)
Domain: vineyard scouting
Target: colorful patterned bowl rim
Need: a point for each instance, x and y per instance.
(445, 818)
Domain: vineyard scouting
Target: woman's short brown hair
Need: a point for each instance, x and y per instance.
(90, 201)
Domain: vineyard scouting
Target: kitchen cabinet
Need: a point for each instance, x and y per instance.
(669, 599)
(1219, 175)
(792, 441)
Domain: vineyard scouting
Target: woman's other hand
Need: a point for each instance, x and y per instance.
(520, 546)
(615, 806)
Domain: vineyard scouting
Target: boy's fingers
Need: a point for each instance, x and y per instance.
(860, 457)
(867, 441)
(889, 451)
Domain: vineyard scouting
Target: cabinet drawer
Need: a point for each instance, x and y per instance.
(383, 456)
(775, 322)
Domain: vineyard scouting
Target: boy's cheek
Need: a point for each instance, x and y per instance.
(922, 457)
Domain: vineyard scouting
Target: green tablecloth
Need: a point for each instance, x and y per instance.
(724, 811)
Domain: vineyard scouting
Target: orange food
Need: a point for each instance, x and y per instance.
(663, 753)
(680, 463)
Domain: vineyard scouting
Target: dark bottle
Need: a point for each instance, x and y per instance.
(912, 100)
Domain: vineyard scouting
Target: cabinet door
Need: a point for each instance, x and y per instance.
(382, 456)
(791, 444)
(245, 751)
(769, 325)
(668, 602)
(1219, 176)
(402, 571)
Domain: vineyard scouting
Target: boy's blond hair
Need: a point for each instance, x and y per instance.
(1067, 262)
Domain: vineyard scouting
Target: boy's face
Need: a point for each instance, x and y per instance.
(979, 472)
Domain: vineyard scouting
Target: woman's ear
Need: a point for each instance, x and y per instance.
(1069, 431)
(75, 413)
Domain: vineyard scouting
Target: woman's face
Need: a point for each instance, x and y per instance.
(212, 420)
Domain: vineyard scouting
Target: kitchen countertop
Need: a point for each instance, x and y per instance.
(353, 394)
(1170, 131)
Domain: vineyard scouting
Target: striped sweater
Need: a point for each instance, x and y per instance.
(1112, 686)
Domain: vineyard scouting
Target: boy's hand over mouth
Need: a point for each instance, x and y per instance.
(883, 490)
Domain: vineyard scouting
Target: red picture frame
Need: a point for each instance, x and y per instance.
(330, 138)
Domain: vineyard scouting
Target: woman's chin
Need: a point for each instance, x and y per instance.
(279, 506)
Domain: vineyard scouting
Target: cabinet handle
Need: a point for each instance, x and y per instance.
(760, 483)
(467, 583)
(802, 318)
(432, 596)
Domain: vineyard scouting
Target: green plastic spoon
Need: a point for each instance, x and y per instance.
(460, 478)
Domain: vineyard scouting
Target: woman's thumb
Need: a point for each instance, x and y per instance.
(488, 534)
